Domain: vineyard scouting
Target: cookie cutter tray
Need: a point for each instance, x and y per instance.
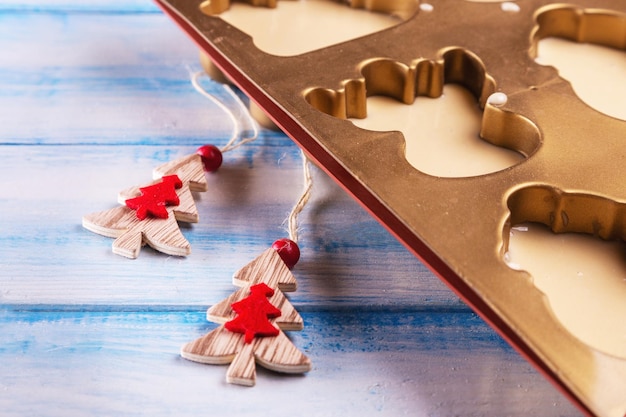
(572, 178)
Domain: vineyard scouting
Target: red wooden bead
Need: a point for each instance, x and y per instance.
(211, 157)
(288, 251)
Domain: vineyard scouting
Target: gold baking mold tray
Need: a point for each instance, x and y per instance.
(571, 178)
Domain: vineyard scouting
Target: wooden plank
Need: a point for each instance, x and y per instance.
(92, 6)
(76, 78)
(365, 363)
(347, 258)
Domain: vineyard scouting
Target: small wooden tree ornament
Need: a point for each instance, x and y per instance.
(152, 219)
(132, 229)
(245, 336)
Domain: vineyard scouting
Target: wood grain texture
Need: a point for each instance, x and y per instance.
(222, 346)
(189, 169)
(131, 233)
(95, 95)
(268, 268)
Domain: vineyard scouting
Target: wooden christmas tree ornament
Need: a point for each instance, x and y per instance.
(253, 320)
(149, 215)
(254, 317)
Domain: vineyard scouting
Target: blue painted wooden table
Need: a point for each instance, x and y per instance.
(93, 95)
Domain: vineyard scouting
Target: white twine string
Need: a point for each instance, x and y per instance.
(232, 142)
(292, 220)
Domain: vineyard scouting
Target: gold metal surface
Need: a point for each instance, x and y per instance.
(572, 178)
